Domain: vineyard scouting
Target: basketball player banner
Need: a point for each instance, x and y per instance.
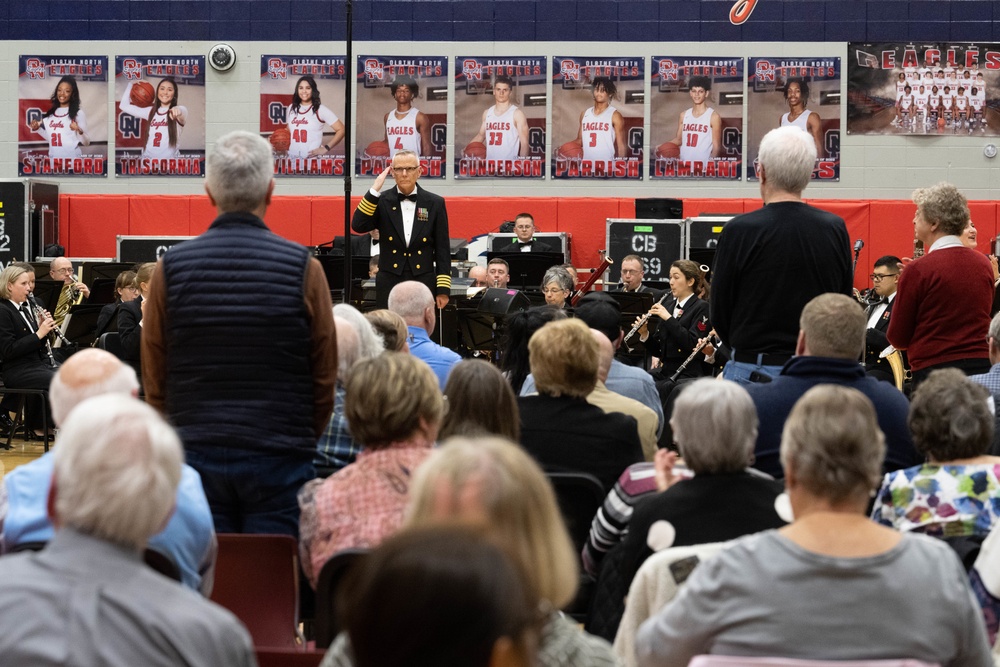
(301, 106)
(500, 106)
(597, 117)
(160, 116)
(696, 125)
(62, 116)
(802, 92)
(930, 89)
(402, 105)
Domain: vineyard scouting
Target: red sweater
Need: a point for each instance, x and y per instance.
(942, 308)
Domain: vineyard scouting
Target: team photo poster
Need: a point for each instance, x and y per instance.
(931, 89)
(597, 117)
(696, 124)
(62, 116)
(402, 105)
(301, 113)
(500, 108)
(160, 116)
(804, 92)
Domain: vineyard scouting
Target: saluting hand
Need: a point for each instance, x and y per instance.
(380, 181)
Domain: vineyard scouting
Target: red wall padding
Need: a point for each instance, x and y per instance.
(90, 223)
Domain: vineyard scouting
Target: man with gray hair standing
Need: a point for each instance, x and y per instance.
(830, 342)
(243, 357)
(188, 539)
(772, 261)
(88, 598)
(414, 302)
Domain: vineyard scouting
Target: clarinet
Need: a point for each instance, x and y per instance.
(701, 346)
(57, 332)
(34, 313)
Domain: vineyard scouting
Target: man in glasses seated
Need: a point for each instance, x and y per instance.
(885, 277)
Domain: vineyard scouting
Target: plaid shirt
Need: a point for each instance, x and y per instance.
(336, 448)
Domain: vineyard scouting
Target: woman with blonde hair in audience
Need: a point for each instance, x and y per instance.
(394, 407)
(491, 483)
(956, 493)
(480, 402)
(881, 594)
(392, 327)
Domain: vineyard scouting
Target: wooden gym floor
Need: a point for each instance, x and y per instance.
(20, 452)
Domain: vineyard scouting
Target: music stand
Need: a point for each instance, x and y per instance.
(102, 291)
(91, 271)
(633, 305)
(528, 268)
(80, 325)
(333, 267)
(47, 293)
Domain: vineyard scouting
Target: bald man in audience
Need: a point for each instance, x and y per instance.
(87, 598)
(188, 540)
(414, 302)
(609, 401)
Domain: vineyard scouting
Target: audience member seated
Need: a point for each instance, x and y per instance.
(956, 493)
(130, 318)
(188, 540)
(452, 597)
(609, 401)
(599, 311)
(337, 448)
(991, 380)
(514, 359)
(480, 402)
(391, 327)
(417, 308)
(881, 594)
(125, 291)
(610, 525)
(491, 483)
(558, 427)
(715, 426)
(831, 340)
(88, 598)
(25, 358)
(557, 286)
(394, 408)
(369, 340)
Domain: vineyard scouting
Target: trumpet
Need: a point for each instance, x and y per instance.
(642, 322)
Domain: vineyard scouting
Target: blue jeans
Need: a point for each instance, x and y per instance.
(252, 492)
(740, 371)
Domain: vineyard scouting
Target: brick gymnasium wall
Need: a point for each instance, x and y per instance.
(89, 224)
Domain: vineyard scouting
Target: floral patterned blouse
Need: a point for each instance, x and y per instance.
(940, 500)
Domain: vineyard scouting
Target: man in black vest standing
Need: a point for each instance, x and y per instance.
(413, 231)
(239, 349)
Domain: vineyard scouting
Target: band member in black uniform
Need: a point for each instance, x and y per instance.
(23, 337)
(885, 277)
(413, 231)
(684, 319)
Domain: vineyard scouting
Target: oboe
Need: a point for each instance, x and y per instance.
(702, 344)
(34, 314)
(642, 321)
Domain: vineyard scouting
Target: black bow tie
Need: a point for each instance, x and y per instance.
(374, 241)
(410, 197)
